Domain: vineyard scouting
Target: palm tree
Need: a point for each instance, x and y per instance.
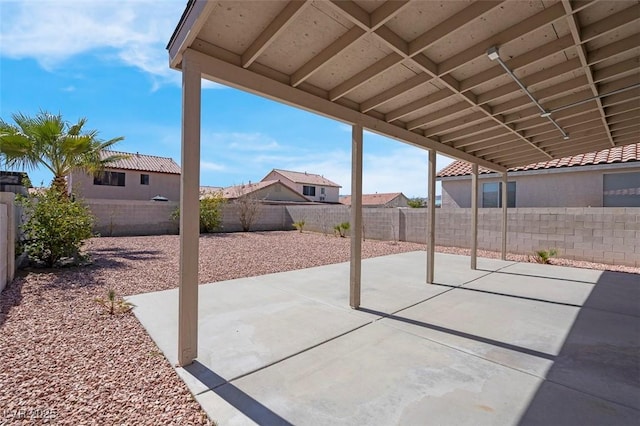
(47, 140)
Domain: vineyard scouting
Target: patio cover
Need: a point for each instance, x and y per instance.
(419, 72)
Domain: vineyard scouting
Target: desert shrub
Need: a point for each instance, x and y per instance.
(299, 225)
(54, 227)
(342, 228)
(544, 256)
(210, 212)
(114, 305)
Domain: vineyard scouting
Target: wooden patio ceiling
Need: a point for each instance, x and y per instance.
(418, 71)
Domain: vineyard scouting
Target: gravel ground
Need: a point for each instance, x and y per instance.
(66, 361)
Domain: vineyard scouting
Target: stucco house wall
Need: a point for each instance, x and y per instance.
(164, 184)
(571, 187)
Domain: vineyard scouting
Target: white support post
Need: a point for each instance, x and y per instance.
(431, 214)
(503, 254)
(356, 216)
(189, 212)
(474, 215)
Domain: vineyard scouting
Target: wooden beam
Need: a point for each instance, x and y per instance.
(417, 105)
(355, 275)
(364, 76)
(189, 210)
(613, 49)
(474, 216)
(453, 125)
(610, 23)
(437, 115)
(395, 91)
(521, 61)
(273, 30)
(431, 215)
(455, 22)
(505, 193)
(518, 30)
(327, 54)
(238, 77)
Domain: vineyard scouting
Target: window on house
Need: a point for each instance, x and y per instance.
(321, 191)
(109, 178)
(309, 190)
(144, 179)
(621, 190)
(492, 194)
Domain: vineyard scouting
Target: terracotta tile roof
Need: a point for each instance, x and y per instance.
(304, 177)
(144, 163)
(618, 154)
(372, 199)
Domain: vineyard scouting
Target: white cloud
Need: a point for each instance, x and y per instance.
(134, 32)
(239, 141)
(211, 166)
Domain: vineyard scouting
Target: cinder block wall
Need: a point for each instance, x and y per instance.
(268, 218)
(4, 229)
(131, 217)
(597, 234)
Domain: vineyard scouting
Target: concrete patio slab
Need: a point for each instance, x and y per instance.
(244, 326)
(285, 348)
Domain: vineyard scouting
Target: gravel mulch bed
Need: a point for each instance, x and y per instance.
(65, 361)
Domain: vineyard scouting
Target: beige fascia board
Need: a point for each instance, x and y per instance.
(190, 26)
(244, 79)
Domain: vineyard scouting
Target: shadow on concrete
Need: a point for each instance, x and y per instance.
(461, 334)
(242, 402)
(599, 360)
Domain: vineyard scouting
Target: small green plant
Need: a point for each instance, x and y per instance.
(299, 225)
(544, 256)
(113, 304)
(55, 227)
(341, 229)
(210, 212)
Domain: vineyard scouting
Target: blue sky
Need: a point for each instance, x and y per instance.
(106, 61)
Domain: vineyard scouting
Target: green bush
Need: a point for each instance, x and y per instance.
(299, 225)
(210, 212)
(544, 256)
(55, 227)
(341, 229)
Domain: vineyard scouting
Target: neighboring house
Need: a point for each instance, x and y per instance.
(314, 187)
(16, 182)
(138, 177)
(607, 178)
(394, 199)
(265, 191)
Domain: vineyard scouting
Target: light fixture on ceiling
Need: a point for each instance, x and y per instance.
(494, 55)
